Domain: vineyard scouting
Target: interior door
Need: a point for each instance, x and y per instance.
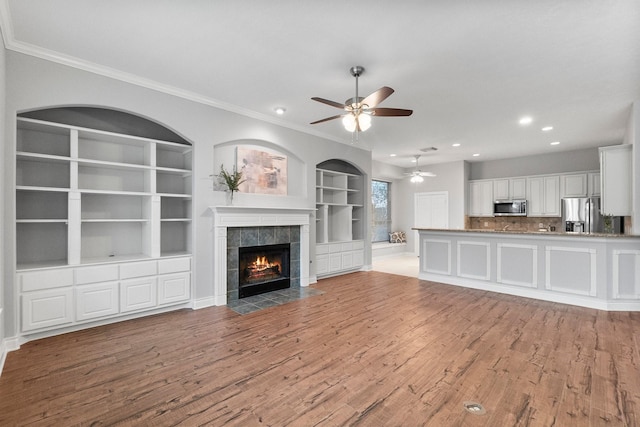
(431, 210)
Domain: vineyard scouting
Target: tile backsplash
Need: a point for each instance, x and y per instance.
(513, 223)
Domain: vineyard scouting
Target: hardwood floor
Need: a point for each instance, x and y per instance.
(374, 350)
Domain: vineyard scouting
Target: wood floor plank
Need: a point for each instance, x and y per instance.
(373, 350)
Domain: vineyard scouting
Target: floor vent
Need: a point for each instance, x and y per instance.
(474, 408)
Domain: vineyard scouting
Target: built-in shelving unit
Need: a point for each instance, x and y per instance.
(339, 221)
(89, 197)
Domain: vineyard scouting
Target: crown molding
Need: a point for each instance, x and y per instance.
(12, 44)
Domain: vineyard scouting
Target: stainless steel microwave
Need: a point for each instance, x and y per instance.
(510, 208)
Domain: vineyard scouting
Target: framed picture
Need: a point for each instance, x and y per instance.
(264, 172)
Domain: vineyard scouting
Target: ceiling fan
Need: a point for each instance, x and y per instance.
(417, 175)
(358, 110)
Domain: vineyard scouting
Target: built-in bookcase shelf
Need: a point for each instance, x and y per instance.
(96, 195)
(103, 225)
(339, 225)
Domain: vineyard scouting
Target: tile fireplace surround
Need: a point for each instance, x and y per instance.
(225, 217)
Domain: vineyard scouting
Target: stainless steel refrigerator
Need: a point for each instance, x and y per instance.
(582, 214)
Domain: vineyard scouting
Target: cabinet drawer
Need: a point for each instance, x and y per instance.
(174, 265)
(38, 280)
(335, 247)
(138, 269)
(347, 246)
(322, 249)
(46, 308)
(101, 273)
(96, 300)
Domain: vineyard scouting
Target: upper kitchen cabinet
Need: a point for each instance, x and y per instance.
(615, 180)
(481, 198)
(574, 185)
(543, 196)
(510, 189)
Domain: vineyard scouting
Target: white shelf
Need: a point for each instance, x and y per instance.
(92, 194)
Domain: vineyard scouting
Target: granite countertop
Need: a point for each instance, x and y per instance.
(537, 233)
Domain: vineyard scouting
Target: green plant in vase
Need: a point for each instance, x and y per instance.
(608, 223)
(230, 179)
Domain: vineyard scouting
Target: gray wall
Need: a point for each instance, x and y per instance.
(564, 161)
(34, 83)
(450, 177)
(3, 147)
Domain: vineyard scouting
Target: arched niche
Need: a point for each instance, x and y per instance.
(226, 154)
(106, 119)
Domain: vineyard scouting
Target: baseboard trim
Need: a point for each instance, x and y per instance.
(204, 303)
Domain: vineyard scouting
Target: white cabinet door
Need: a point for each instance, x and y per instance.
(574, 185)
(501, 189)
(552, 196)
(335, 262)
(322, 264)
(97, 300)
(543, 196)
(518, 188)
(174, 288)
(615, 180)
(594, 184)
(138, 294)
(481, 198)
(48, 308)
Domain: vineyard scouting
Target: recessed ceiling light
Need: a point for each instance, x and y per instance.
(525, 121)
(280, 110)
(413, 160)
(476, 154)
(392, 155)
(555, 143)
(456, 144)
(547, 128)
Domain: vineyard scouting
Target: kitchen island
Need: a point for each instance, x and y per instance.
(599, 271)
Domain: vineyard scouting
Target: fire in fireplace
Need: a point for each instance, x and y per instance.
(263, 269)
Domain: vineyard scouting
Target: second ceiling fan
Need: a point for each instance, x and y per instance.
(358, 110)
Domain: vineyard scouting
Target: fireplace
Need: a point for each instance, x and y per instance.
(263, 269)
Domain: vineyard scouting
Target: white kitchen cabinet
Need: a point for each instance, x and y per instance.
(543, 196)
(481, 198)
(574, 185)
(594, 184)
(615, 180)
(509, 189)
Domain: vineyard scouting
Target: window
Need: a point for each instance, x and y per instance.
(381, 211)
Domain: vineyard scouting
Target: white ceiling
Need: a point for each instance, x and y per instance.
(468, 69)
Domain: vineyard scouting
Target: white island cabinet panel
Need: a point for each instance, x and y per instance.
(474, 260)
(599, 271)
(571, 270)
(517, 264)
(626, 273)
(438, 256)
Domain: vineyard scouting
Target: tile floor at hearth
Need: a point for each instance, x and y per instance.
(270, 299)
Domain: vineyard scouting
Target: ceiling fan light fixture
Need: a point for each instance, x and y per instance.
(416, 179)
(364, 120)
(349, 122)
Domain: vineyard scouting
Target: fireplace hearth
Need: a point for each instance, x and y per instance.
(263, 269)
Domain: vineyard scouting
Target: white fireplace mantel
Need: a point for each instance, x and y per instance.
(255, 216)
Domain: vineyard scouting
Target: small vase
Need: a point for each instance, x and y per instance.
(229, 198)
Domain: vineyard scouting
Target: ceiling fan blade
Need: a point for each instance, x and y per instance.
(426, 173)
(329, 102)
(389, 112)
(327, 119)
(377, 97)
